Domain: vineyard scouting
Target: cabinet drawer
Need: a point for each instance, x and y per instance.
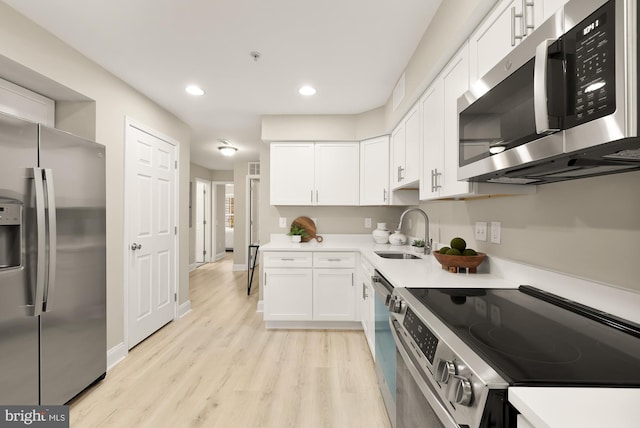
(287, 259)
(334, 260)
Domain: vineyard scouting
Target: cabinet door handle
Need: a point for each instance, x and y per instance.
(400, 173)
(311, 195)
(353, 280)
(365, 295)
(316, 196)
(287, 260)
(334, 260)
(526, 27)
(384, 195)
(515, 36)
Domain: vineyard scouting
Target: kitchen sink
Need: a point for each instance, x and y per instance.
(387, 255)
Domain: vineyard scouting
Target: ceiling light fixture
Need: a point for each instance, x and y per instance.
(194, 90)
(227, 150)
(307, 90)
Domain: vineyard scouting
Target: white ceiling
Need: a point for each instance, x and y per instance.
(351, 51)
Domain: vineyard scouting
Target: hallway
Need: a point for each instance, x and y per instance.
(219, 367)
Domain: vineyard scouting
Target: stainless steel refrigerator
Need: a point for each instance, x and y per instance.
(52, 264)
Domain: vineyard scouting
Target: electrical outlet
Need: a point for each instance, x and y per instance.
(495, 232)
(283, 222)
(367, 223)
(481, 231)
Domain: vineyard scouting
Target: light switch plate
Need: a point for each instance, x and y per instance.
(481, 231)
(495, 232)
(283, 222)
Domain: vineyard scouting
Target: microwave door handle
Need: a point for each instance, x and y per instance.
(540, 105)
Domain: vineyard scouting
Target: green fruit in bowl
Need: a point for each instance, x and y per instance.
(444, 250)
(458, 243)
(454, 252)
(469, 252)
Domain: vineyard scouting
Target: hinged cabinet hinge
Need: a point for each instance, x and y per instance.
(175, 230)
(176, 164)
(175, 297)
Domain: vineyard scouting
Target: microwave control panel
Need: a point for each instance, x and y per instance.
(591, 56)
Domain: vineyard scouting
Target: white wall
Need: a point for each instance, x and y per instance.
(29, 46)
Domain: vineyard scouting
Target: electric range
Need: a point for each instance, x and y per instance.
(469, 346)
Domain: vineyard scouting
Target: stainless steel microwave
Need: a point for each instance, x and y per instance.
(562, 105)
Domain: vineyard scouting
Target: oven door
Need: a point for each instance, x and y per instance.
(417, 405)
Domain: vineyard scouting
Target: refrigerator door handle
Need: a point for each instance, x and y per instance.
(41, 248)
(52, 235)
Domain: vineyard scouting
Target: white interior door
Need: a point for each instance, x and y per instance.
(201, 221)
(254, 213)
(151, 179)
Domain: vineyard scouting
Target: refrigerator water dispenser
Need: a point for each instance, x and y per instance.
(10, 235)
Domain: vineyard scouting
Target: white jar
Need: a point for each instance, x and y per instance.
(381, 234)
(397, 238)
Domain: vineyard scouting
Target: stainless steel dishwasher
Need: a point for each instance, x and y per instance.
(385, 345)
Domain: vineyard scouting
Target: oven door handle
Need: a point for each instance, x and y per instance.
(427, 390)
(540, 103)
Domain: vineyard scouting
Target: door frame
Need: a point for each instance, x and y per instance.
(215, 220)
(207, 217)
(248, 212)
(132, 123)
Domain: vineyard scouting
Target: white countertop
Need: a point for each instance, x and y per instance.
(423, 272)
(542, 407)
(577, 407)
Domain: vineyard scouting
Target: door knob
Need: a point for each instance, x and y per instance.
(135, 246)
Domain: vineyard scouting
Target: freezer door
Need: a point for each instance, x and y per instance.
(18, 324)
(73, 324)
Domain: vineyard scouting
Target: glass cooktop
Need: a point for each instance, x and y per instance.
(534, 338)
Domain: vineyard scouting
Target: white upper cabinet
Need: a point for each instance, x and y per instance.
(292, 174)
(549, 7)
(507, 24)
(374, 171)
(432, 112)
(337, 173)
(455, 81)
(315, 173)
(405, 143)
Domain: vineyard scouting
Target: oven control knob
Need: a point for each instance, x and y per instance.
(445, 370)
(463, 392)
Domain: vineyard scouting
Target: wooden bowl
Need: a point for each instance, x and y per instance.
(452, 263)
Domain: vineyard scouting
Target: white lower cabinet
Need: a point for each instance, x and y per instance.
(306, 286)
(288, 294)
(366, 300)
(333, 294)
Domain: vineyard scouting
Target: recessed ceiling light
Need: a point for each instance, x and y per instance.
(307, 90)
(194, 90)
(227, 150)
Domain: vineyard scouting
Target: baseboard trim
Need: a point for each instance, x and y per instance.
(314, 325)
(193, 267)
(260, 307)
(116, 354)
(184, 309)
(219, 256)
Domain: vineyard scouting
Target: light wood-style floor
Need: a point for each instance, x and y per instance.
(219, 367)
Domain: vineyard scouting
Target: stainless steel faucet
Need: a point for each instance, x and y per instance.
(427, 242)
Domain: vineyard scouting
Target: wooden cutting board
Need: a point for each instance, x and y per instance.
(309, 226)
